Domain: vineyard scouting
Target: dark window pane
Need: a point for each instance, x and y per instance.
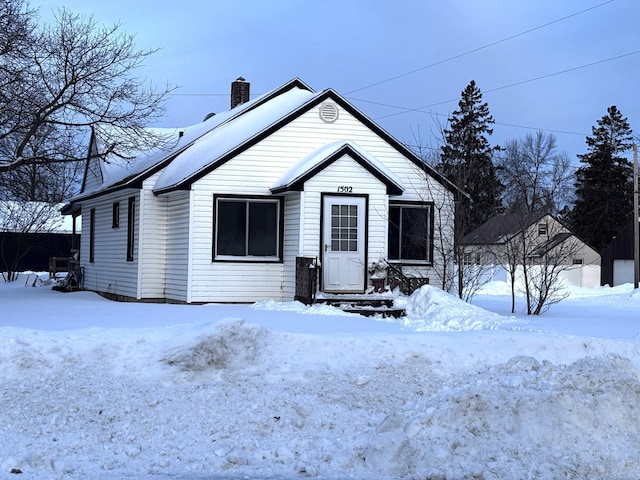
(394, 233)
(131, 219)
(414, 234)
(232, 227)
(409, 233)
(263, 224)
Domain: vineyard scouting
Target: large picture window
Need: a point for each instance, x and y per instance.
(411, 232)
(247, 229)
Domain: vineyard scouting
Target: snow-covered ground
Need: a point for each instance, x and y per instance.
(98, 389)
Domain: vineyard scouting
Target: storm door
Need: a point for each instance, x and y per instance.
(343, 244)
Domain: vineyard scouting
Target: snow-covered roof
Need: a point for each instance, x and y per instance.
(322, 156)
(200, 148)
(215, 144)
(122, 173)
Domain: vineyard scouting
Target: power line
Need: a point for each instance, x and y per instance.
(440, 62)
(437, 114)
(198, 94)
(421, 109)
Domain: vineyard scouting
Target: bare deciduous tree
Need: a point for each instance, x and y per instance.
(536, 261)
(536, 176)
(18, 221)
(59, 81)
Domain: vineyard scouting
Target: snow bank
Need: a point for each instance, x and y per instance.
(211, 394)
(432, 309)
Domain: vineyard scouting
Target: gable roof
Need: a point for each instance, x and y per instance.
(204, 147)
(324, 156)
(119, 175)
(500, 229)
(552, 243)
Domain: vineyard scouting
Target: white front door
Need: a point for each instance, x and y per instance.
(343, 245)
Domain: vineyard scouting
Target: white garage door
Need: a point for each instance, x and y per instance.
(622, 272)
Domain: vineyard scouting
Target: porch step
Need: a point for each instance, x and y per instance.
(367, 307)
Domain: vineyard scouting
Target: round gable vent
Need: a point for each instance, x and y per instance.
(329, 112)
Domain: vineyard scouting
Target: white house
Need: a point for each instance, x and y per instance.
(540, 238)
(227, 212)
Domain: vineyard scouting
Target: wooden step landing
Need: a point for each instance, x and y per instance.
(362, 305)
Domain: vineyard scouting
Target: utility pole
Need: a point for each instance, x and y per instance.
(636, 221)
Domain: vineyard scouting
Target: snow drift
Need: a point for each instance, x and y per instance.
(212, 394)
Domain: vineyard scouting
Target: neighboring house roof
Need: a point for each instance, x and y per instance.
(501, 228)
(204, 147)
(552, 243)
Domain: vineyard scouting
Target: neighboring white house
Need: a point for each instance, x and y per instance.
(224, 214)
(540, 238)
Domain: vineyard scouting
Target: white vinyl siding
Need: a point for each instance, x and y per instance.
(267, 161)
(177, 261)
(93, 175)
(178, 228)
(110, 272)
(153, 258)
(292, 228)
(210, 281)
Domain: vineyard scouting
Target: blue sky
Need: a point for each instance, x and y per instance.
(541, 64)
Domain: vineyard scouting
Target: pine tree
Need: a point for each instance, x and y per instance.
(466, 159)
(604, 184)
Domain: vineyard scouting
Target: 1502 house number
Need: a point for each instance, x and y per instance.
(345, 189)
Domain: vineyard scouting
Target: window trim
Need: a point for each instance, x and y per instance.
(131, 226)
(115, 215)
(543, 229)
(92, 235)
(279, 258)
(471, 258)
(429, 206)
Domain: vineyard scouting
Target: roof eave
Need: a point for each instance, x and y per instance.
(298, 184)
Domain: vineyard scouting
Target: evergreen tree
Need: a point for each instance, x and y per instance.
(604, 184)
(466, 160)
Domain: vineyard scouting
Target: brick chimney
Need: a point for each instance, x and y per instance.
(239, 92)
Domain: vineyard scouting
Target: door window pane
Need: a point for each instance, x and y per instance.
(344, 228)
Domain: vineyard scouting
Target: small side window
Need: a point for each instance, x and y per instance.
(92, 235)
(115, 215)
(131, 227)
(542, 229)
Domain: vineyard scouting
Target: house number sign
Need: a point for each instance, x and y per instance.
(345, 189)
